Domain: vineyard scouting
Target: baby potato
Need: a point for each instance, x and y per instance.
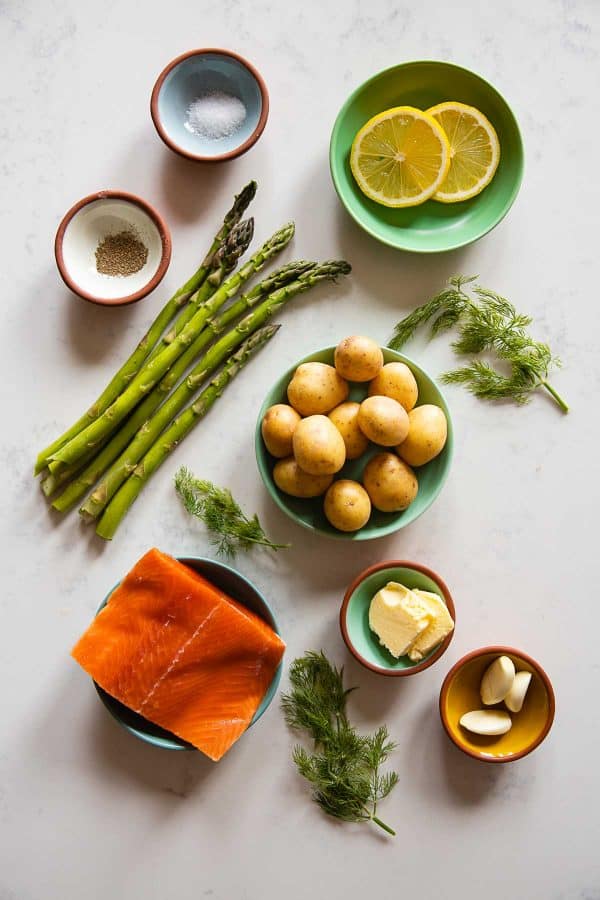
(316, 388)
(292, 480)
(345, 419)
(318, 446)
(277, 428)
(383, 420)
(390, 483)
(358, 358)
(427, 433)
(347, 505)
(396, 380)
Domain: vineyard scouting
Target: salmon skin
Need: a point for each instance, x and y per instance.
(177, 650)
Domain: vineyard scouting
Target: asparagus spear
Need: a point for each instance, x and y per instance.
(142, 435)
(240, 204)
(53, 480)
(152, 336)
(224, 261)
(114, 514)
(152, 430)
(154, 370)
(100, 463)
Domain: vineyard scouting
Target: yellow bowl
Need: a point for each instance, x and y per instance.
(460, 694)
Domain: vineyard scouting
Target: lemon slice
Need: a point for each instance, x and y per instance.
(400, 157)
(474, 151)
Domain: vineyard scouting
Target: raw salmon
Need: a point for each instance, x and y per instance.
(177, 650)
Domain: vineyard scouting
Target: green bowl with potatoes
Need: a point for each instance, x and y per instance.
(362, 642)
(309, 512)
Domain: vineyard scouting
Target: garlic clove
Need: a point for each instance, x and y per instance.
(497, 680)
(516, 696)
(487, 721)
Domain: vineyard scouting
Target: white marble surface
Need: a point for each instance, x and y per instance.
(86, 811)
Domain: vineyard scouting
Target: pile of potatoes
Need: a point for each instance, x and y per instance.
(314, 435)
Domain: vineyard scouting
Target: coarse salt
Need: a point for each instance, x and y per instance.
(215, 115)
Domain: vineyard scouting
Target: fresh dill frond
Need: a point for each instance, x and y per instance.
(229, 527)
(486, 323)
(344, 768)
(445, 309)
(483, 381)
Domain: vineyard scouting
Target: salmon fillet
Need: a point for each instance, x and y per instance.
(177, 650)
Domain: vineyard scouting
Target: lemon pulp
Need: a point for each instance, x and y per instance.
(400, 157)
(474, 151)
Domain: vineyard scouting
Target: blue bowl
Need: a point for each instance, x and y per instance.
(242, 590)
(190, 76)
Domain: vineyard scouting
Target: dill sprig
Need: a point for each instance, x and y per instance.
(344, 767)
(229, 527)
(487, 323)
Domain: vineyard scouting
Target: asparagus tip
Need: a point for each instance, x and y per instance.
(241, 202)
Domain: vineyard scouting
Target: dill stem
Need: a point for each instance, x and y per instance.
(265, 542)
(383, 825)
(556, 396)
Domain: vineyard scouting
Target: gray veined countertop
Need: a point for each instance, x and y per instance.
(86, 811)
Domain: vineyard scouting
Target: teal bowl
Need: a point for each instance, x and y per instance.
(354, 616)
(242, 590)
(309, 513)
(431, 227)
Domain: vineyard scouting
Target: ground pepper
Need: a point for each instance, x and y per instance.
(121, 254)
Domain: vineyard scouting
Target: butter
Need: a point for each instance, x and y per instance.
(440, 627)
(398, 617)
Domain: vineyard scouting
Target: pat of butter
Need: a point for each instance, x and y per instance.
(441, 625)
(397, 616)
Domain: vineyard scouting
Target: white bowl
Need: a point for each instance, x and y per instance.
(92, 219)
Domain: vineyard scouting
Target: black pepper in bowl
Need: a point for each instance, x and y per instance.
(121, 254)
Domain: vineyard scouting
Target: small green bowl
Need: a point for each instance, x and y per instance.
(241, 590)
(431, 227)
(354, 616)
(309, 513)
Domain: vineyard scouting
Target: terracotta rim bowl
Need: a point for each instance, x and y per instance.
(64, 259)
(407, 669)
(218, 157)
(466, 742)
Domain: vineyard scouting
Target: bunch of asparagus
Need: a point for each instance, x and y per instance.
(155, 399)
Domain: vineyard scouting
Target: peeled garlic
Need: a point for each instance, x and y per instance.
(516, 696)
(497, 680)
(487, 721)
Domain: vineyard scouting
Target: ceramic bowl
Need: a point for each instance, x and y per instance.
(363, 643)
(245, 593)
(309, 513)
(197, 73)
(84, 227)
(460, 694)
(431, 227)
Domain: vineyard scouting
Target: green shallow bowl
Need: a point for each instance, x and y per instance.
(354, 615)
(242, 590)
(309, 513)
(431, 227)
